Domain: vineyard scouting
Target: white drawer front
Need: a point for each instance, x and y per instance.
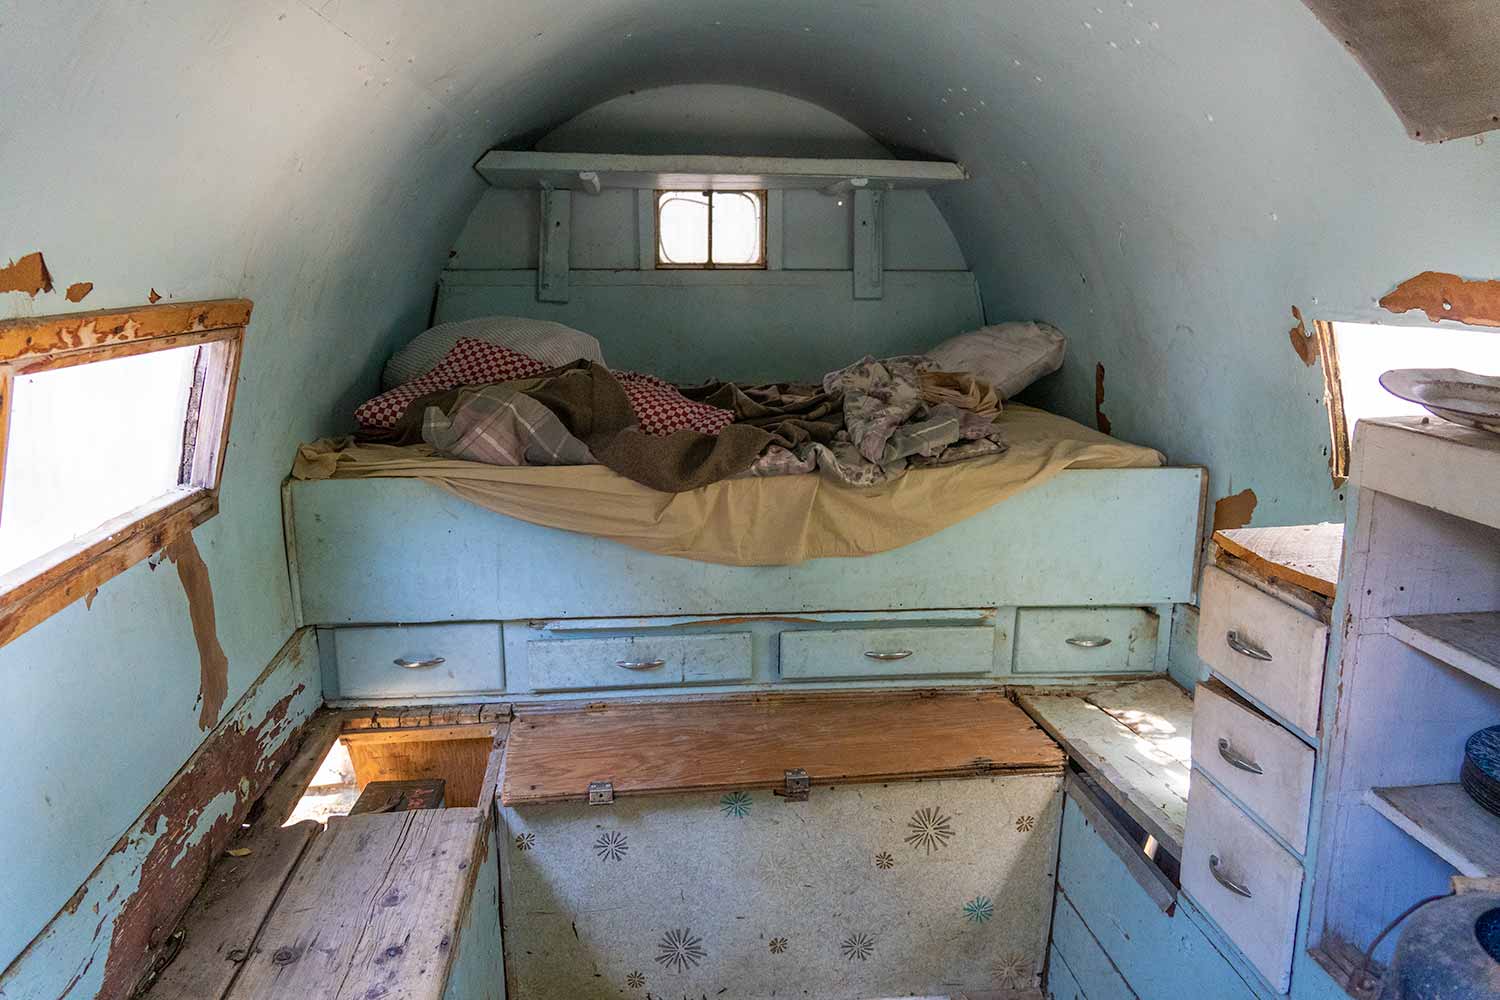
(1085, 641)
(402, 661)
(1221, 838)
(1263, 765)
(628, 661)
(1235, 614)
(930, 651)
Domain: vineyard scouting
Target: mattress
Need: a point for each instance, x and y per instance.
(778, 520)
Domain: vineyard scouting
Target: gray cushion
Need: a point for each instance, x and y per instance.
(550, 343)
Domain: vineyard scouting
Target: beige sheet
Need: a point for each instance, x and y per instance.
(774, 521)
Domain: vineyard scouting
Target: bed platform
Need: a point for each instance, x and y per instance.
(421, 595)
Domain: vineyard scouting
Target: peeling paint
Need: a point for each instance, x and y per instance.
(28, 274)
(1304, 343)
(213, 665)
(1447, 296)
(151, 874)
(1235, 511)
(1100, 420)
(88, 599)
(154, 297)
(78, 290)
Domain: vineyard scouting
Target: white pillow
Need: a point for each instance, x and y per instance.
(550, 343)
(1009, 356)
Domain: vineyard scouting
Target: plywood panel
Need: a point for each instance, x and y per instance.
(751, 743)
(459, 760)
(1304, 555)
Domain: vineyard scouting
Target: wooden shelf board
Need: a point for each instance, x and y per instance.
(1447, 822)
(1468, 641)
(562, 171)
(1304, 555)
(1135, 741)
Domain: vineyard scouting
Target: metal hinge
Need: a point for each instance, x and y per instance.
(601, 793)
(797, 786)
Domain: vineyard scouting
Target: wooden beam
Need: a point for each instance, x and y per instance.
(34, 336)
(869, 244)
(554, 246)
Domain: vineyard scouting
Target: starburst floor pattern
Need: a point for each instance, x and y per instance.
(930, 830)
(679, 950)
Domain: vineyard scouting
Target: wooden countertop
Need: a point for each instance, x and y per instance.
(1302, 555)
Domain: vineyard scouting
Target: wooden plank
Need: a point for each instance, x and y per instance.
(221, 925)
(751, 743)
(316, 739)
(1470, 642)
(530, 169)
(399, 796)
(371, 911)
(422, 716)
(555, 246)
(1430, 462)
(460, 761)
(1304, 555)
(869, 244)
(1145, 766)
(34, 336)
(1445, 820)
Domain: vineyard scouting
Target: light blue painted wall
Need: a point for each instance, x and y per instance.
(1181, 174)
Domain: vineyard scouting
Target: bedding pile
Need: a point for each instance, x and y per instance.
(863, 425)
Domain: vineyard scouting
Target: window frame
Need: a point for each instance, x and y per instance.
(32, 592)
(710, 265)
(1333, 399)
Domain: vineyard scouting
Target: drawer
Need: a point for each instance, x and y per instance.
(1086, 641)
(1264, 766)
(1225, 848)
(925, 651)
(403, 661)
(630, 661)
(1268, 649)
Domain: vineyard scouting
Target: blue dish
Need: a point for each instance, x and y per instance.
(1480, 776)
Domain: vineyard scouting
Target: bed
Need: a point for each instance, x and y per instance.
(436, 579)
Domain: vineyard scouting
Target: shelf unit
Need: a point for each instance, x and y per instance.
(593, 172)
(1468, 641)
(1414, 670)
(1447, 822)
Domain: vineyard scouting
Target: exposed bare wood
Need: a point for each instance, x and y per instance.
(221, 925)
(317, 738)
(1333, 399)
(730, 744)
(372, 909)
(124, 349)
(1303, 555)
(29, 337)
(409, 717)
(494, 768)
(1144, 767)
(45, 586)
(400, 796)
(1447, 296)
(420, 734)
(461, 761)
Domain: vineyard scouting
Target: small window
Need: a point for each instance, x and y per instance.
(113, 441)
(1362, 352)
(711, 229)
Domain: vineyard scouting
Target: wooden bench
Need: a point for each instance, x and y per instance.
(390, 904)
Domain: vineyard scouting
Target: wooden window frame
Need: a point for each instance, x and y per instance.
(710, 265)
(1333, 396)
(33, 592)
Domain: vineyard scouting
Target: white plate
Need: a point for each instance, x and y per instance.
(1462, 397)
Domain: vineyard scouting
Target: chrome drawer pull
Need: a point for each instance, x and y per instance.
(1244, 648)
(888, 654)
(1236, 759)
(423, 664)
(1225, 880)
(1088, 642)
(640, 664)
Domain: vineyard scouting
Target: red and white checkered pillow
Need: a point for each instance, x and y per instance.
(661, 409)
(469, 362)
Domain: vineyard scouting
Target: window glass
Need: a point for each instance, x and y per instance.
(682, 227)
(738, 227)
(88, 443)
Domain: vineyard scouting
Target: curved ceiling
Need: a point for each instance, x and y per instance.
(1163, 179)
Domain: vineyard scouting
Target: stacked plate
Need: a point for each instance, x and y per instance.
(1481, 771)
(1462, 397)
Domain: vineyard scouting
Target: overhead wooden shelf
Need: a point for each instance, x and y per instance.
(1468, 641)
(592, 172)
(1447, 822)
